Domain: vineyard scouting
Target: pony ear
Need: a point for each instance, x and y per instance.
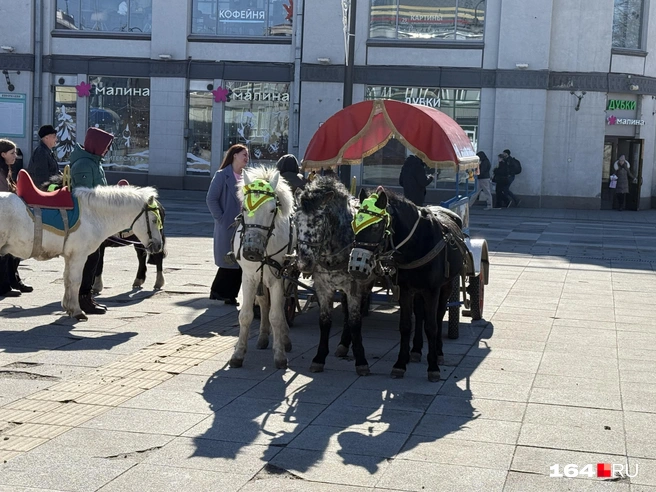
(151, 201)
(363, 195)
(247, 178)
(274, 180)
(382, 199)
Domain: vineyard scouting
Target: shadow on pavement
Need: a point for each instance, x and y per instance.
(302, 418)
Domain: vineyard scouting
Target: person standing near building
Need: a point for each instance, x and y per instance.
(43, 163)
(623, 171)
(9, 279)
(18, 165)
(514, 168)
(414, 180)
(224, 205)
(484, 169)
(87, 172)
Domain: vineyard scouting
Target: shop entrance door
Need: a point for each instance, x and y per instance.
(634, 156)
(613, 148)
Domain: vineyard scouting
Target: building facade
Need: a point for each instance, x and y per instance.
(567, 86)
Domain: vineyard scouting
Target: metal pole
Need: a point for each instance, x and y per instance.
(345, 169)
(38, 71)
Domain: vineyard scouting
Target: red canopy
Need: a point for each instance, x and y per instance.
(363, 128)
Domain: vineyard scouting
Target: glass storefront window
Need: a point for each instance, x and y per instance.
(242, 18)
(199, 143)
(463, 105)
(121, 106)
(627, 24)
(65, 121)
(258, 116)
(461, 20)
(107, 16)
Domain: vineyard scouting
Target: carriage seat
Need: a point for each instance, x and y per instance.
(61, 198)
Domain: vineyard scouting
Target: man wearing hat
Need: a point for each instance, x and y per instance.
(43, 163)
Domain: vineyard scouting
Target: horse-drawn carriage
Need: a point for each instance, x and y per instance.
(359, 130)
(348, 244)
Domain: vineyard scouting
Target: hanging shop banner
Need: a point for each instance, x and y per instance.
(12, 114)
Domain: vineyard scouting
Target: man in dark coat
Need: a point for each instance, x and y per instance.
(414, 180)
(43, 163)
(288, 167)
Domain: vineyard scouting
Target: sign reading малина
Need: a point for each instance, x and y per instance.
(619, 104)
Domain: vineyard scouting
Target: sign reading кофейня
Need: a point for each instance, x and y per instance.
(615, 104)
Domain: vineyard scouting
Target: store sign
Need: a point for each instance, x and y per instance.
(433, 102)
(241, 15)
(614, 120)
(260, 96)
(618, 104)
(122, 91)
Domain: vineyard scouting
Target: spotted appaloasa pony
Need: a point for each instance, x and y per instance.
(425, 250)
(323, 219)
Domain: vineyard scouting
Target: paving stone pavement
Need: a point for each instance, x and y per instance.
(560, 372)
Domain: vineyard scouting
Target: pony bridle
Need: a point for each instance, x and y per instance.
(157, 212)
(376, 257)
(254, 246)
(363, 259)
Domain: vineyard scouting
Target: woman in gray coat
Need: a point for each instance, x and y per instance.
(225, 206)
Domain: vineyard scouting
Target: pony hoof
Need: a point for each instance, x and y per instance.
(362, 370)
(440, 360)
(81, 317)
(138, 282)
(316, 367)
(159, 283)
(341, 351)
(236, 363)
(415, 356)
(288, 347)
(433, 376)
(262, 343)
(281, 364)
(397, 373)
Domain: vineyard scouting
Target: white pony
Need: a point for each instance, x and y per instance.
(261, 242)
(104, 211)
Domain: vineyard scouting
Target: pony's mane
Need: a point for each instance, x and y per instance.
(283, 190)
(446, 217)
(338, 210)
(109, 197)
(312, 198)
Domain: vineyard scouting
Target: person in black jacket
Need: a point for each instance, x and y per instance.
(288, 167)
(484, 169)
(502, 180)
(414, 180)
(43, 163)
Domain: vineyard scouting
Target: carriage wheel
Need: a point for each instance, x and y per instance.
(290, 310)
(477, 295)
(454, 311)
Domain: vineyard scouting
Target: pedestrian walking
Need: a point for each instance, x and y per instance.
(483, 179)
(514, 168)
